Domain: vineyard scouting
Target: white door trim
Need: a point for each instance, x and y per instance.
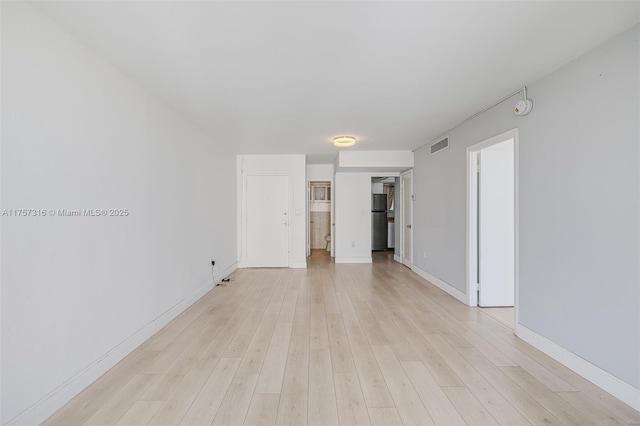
(243, 251)
(472, 225)
(308, 225)
(403, 224)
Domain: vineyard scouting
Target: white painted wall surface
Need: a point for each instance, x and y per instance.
(579, 206)
(375, 160)
(320, 172)
(295, 167)
(352, 217)
(78, 293)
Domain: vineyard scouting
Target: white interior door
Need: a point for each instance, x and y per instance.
(267, 219)
(496, 242)
(407, 232)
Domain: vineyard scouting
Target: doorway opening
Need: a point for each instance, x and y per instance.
(319, 225)
(383, 207)
(491, 230)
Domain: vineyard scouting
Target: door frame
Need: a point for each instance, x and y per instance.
(472, 216)
(402, 221)
(308, 223)
(243, 252)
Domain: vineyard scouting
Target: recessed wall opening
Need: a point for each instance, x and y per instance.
(320, 218)
(491, 237)
(383, 207)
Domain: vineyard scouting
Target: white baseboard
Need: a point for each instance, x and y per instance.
(298, 265)
(611, 384)
(353, 260)
(448, 288)
(224, 274)
(397, 258)
(50, 403)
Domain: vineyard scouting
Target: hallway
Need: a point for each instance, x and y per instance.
(338, 344)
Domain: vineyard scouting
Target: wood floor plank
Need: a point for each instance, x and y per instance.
(564, 411)
(369, 324)
(247, 329)
(292, 409)
(121, 402)
(549, 379)
(593, 411)
(504, 315)
(409, 405)
(206, 404)
(329, 294)
(176, 347)
(166, 382)
(322, 406)
(401, 347)
(374, 387)
(140, 413)
(384, 416)
(263, 409)
(598, 396)
(257, 349)
(352, 409)
(488, 396)
(434, 399)
(179, 402)
(468, 406)
(431, 359)
(519, 398)
(235, 404)
(272, 372)
(85, 405)
(341, 357)
(319, 336)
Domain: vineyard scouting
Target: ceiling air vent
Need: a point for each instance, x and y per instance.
(439, 146)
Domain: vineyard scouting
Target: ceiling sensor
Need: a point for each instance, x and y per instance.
(523, 106)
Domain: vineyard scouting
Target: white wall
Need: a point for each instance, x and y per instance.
(295, 167)
(579, 205)
(78, 293)
(320, 172)
(352, 217)
(373, 161)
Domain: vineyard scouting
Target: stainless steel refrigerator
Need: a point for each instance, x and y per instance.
(379, 222)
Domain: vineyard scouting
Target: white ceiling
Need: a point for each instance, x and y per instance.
(286, 77)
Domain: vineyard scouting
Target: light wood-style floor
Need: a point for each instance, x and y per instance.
(320, 253)
(338, 344)
(504, 315)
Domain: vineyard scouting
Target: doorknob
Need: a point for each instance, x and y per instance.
(408, 226)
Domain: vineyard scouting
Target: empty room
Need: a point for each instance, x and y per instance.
(319, 212)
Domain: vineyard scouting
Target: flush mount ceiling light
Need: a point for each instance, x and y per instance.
(341, 141)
